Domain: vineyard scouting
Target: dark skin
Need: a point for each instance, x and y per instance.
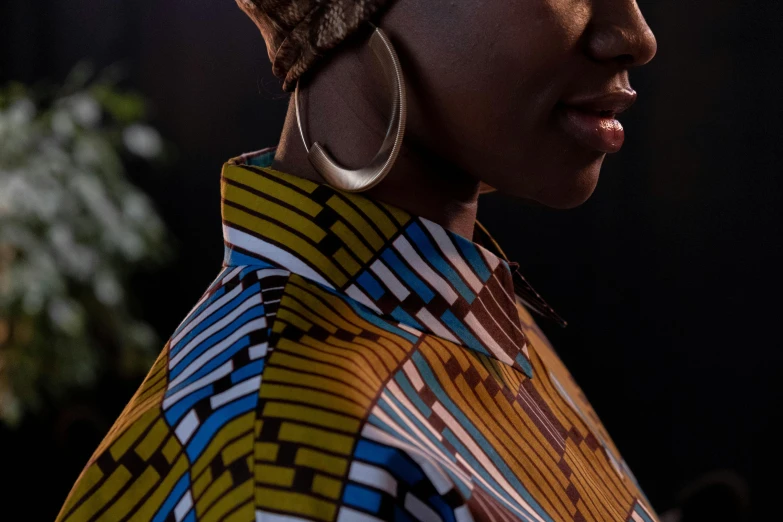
(486, 82)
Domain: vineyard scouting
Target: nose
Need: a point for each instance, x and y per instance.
(618, 32)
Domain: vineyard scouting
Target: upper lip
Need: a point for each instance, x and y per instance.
(614, 102)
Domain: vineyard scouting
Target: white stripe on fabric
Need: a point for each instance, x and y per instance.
(420, 510)
(347, 514)
(437, 328)
(245, 329)
(636, 517)
(258, 351)
(272, 272)
(238, 390)
(231, 274)
(186, 427)
(491, 489)
(211, 377)
(410, 329)
(481, 457)
(419, 439)
(253, 300)
(409, 406)
(484, 336)
(492, 260)
(273, 253)
(183, 506)
(450, 252)
(423, 269)
(390, 280)
(372, 476)
(501, 328)
(205, 313)
(413, 375)
(462, 514)
(357, 295)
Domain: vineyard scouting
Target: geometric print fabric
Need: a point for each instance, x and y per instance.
(294, 390)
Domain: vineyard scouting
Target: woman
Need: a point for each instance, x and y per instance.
(362, 356)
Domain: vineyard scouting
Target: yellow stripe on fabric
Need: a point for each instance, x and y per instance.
(238, 449)
(141, 485)
(293, 319)
(231, 430)
(275, 212)
(171, 449)
(159, 494)
(328, 440)
(319, 307)
(240, 495)
(326, 486)
(295, 503)
(215, 489)
(276, 374)
(303, 184)
(342, 231)
(346, 261)
(293, 242)
(243, 514)
(103, 495)
(201, 483)
(597, 490)
(264, 181)
(310, 458)
(290, 303)
(153, 439)
(266, 450)
(271, 390)
(347, 358)
(378, 351)
(355, 219)
(323, 418)
(314, 365)
(376, 215)
(89, 477)
(274, 475)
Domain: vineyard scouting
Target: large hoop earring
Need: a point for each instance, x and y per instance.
(370, 175)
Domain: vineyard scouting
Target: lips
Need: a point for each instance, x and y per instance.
(591, 119)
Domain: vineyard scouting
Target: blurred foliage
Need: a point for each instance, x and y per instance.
(72, 229)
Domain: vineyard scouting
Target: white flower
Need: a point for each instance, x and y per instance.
(142, 140)
(107, 289)
(85, 109)
(62, 124)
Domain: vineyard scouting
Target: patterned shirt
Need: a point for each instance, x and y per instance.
(354, 363)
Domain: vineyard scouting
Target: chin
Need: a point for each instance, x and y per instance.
(560, 186)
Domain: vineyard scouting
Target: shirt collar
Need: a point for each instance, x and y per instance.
(406, 268)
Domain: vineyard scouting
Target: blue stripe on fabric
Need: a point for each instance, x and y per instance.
(216, 316)
(233, 259)
(462, 332)
(216, 421)
(377, 422)
(191, 516)
(362, 497)
(431, 254)
(212, 364)
(250, 314)
(641, 513)
(369, 283)
(171, 501)
(432, 382)
(249, 370)
(525, 364)
(410, 393)
(373, 318)
(401, 269)
(390, 459)
(406, 318)
(473, 256)
(458, 481)
(179, 408)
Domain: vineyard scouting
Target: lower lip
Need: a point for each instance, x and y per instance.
(596, 132)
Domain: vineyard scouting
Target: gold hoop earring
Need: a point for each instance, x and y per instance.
(370, 175)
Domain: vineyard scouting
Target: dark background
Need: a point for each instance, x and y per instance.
(669, 276)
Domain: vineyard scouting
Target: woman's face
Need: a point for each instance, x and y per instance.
(512, 91)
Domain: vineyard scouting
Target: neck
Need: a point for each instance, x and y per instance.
(345, 108)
